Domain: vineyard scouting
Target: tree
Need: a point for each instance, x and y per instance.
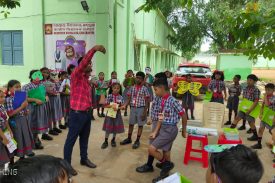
(254, 29)
(195, 20)
(8, 4)
(244, 25)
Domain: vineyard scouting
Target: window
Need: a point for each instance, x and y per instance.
(11, 47)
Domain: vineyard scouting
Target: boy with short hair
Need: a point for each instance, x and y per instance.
(239, 164)
(148, 167)
(138, 98)
(251, 93)
(269, 101)
(166, 130)
(234, 92)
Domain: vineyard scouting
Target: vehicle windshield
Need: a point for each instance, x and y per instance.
(194, 69)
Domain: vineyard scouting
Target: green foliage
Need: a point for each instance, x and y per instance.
(8, 4)
(255, 29)
(244, 24)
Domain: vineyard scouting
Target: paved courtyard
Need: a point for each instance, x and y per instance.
(117, 165)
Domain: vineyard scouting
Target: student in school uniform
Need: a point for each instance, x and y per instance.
(113, 125)
(46, 76)
(19, 122)
(269, 101)
(64, 89)
(234, 92)
(101, 90)
(217, 87)
(170, 113)
(128, 82)
(149, 79)
(5, 156)
(138, 98)
(251, 93)
(155, 110)
(38, 117)
(55, 102)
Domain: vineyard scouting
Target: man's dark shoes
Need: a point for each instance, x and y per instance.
(88, 163)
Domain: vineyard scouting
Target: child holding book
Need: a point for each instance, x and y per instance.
(113, 125)
(188, 100)
(251, 93)
(37, 107)
(101, 91)
(138, 98)
(217, 87)
(5, 156)
(128, 82)
(170, 113)
(19, 122)
(234, 92)
(269, 101)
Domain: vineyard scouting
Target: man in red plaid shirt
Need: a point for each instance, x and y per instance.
(80, 114)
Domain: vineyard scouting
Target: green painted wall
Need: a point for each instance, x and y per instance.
(118, 27)
(233, 64)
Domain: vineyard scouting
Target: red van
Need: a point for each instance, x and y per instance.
(200, 73)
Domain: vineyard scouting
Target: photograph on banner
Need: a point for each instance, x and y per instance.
(65, 43)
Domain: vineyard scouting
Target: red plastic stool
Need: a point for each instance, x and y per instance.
(189, 149)
(223, 140)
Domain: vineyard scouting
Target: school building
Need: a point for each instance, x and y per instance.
(133, 40)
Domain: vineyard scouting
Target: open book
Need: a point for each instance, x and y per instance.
(12, 145)
(111, 112)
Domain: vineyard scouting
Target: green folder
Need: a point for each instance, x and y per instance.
(208, 96)
(230, 130)
(38, 93)
(245, 105)
(268, 116)
(184, 179)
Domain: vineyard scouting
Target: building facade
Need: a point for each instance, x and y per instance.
(133, 40)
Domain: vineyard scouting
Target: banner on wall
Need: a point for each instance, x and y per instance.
(65, 43)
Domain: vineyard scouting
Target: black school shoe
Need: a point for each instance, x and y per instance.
(46, 137)
(57, 130)
(242, 128)
(52, 132)
(63, 127)
(126, 141)
(103, 115)
(257, 146)
(113, 143)
(104, 145)
(253, 138)
(145, 169)
(38, 146)
(160, 165)
(227, 123)
(136, 145)
(249, 131)
(31, 154)
(125, 114)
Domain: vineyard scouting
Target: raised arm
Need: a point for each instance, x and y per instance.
(87, 59)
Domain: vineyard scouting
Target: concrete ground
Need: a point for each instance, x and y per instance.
(117, 165)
